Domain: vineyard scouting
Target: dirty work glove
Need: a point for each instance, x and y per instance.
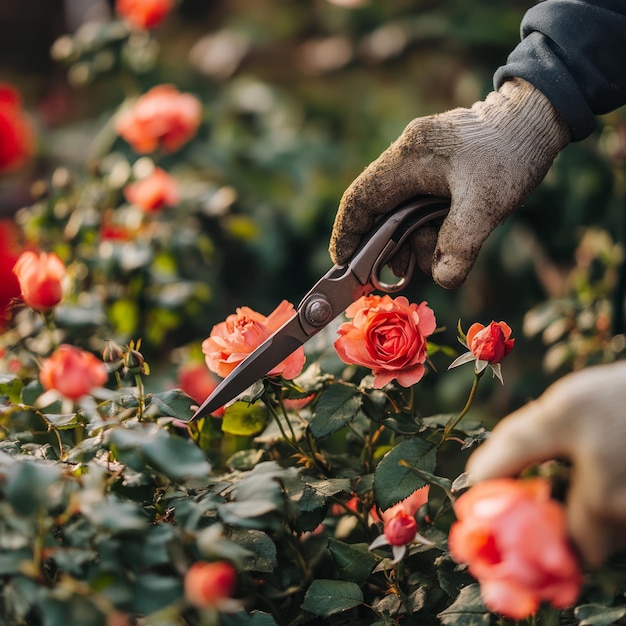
(581, 418)
(486, 159)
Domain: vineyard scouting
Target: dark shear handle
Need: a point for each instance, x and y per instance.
(388, 236)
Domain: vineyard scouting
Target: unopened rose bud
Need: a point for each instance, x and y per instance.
(210, 584)
(112, 352)
(134, 362)
(400, 529)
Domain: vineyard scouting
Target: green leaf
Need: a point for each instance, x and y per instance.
(172, 403)
(11, 387)
(261, 548)
(27, 485)
(241, 418)
(153, 592)
(64, 422)
(116, 515)
(169, 454)
(354, 561)
(599, 615)
(326, 597)
(245, 459)
(336, 407)
(393, 480)
(330, 486)
(175, 457)
(467, 610)
(254, 618)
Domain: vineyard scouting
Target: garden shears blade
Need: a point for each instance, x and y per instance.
(330, 296)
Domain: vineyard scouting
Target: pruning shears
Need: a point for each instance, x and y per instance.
(331, 295)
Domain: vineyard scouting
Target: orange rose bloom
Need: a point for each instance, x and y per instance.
(490, 343)
(513, 537)
(40, 276)
(209, 584)
(161, 118)
(17, 139)
(153, 192)
(143, 13)
(231, 341)
(73, 372)
(388, 336)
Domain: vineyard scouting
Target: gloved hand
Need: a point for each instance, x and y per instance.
(581, 418)
(486, 159)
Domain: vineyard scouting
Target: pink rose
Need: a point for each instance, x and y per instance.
(231, 341)
(388, 336)
(513, 537)
(72, 372)
(490, 343)
(161, 118)
(155, 191)
(40, 276)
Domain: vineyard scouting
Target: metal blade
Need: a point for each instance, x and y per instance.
(288, 338)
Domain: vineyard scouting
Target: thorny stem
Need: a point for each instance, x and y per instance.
(451, 425)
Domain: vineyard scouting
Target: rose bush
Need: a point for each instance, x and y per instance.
(332, 490)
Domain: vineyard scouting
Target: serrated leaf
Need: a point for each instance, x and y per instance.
(336, 407)
(241, 418)
(327, 597)
(172, 403)
(599, 615)
(467, 610)
(354, 561)
(394, 480)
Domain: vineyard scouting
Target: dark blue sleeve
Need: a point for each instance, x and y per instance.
(573, 51)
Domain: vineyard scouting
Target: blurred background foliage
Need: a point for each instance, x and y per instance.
(298, 98)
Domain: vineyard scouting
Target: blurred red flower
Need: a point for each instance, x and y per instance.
(490, 343)
(72, 372)
(161, 118)
(9, 253)
(388, 336)
(198, 382)
(144, 14)
(513, 537)
(210, 584)
(153, 192)
(231, 341)
(17, 138)
(40, 276)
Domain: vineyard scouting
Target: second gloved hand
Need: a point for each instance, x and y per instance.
(486, 159)
(580, 418)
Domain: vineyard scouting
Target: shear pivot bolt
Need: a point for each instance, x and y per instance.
(318, 311)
